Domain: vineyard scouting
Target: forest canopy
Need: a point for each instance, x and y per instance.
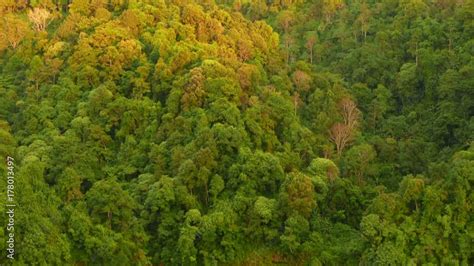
(238, 132)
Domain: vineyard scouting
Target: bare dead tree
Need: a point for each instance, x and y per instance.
(39, 17)
(310, 42)
(349, 112)
(343, 133)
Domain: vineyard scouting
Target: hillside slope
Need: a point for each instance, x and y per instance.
(192, 133)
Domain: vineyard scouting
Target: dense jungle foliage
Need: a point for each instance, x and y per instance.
(246, 132)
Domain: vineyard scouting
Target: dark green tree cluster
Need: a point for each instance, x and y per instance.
(193, 133)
